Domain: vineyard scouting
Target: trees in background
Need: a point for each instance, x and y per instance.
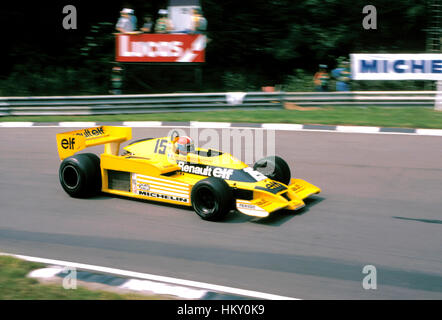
(253, 43)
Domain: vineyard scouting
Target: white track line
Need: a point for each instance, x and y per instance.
(16, 124)
(133, 284)
(162, 288)
(282, 126)
(198, 124)
(429, 132)
(77, 124)
(147, 276)
(142, 124)
(358, 129)
(48, 272)
(220, 125)
(300, 129)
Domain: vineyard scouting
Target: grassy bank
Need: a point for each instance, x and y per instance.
(407, 117)
(15, 285)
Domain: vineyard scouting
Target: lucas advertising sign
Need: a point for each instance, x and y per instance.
(381, 66)
(160, 48)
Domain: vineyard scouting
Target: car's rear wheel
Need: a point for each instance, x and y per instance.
(80, 175)
(212, 198)
(275, 168)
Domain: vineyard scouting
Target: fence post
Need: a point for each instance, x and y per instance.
(7, 109)
(282, 99)
(438, 97)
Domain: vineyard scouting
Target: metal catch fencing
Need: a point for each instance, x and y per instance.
(191, 102)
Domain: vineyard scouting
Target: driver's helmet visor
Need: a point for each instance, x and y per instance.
(185, 148)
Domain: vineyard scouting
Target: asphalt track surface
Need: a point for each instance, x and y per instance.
(381, 205)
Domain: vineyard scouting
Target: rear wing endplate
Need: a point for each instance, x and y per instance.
(69, 143)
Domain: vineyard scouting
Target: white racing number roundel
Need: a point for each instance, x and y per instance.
(258, 176)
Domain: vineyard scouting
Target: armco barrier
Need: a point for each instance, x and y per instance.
(142, 103)
(365, 98)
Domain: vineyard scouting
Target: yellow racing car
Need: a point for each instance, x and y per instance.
(170, 169)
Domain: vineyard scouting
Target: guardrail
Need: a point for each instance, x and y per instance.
(142, 103)
(365, 98)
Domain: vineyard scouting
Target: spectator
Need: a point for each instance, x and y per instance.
(147, 24)
(321, 78)
(163, 24)
(342, 75)
(199, 23)
(124, 23)
(133, 19)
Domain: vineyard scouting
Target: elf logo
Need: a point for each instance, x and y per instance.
(93, 132)
(273, 185)
(68, 143)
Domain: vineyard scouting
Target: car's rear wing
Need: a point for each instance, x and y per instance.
(69, 143)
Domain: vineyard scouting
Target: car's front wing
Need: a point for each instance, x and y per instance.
(290, 198)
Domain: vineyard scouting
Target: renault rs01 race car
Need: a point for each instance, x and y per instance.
(170, 169)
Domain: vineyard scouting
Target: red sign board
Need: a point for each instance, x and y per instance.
(160, 47)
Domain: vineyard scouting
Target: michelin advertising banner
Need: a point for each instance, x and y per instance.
(381, 66)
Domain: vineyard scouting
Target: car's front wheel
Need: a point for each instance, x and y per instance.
(212, 198)
(275, 168)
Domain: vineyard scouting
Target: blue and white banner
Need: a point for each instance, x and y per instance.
(425, 66)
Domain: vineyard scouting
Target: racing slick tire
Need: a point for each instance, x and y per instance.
(212, 198)
(80, 175)
(275, 168)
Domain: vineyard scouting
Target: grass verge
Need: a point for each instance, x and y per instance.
(406, 117)
(15, 285)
